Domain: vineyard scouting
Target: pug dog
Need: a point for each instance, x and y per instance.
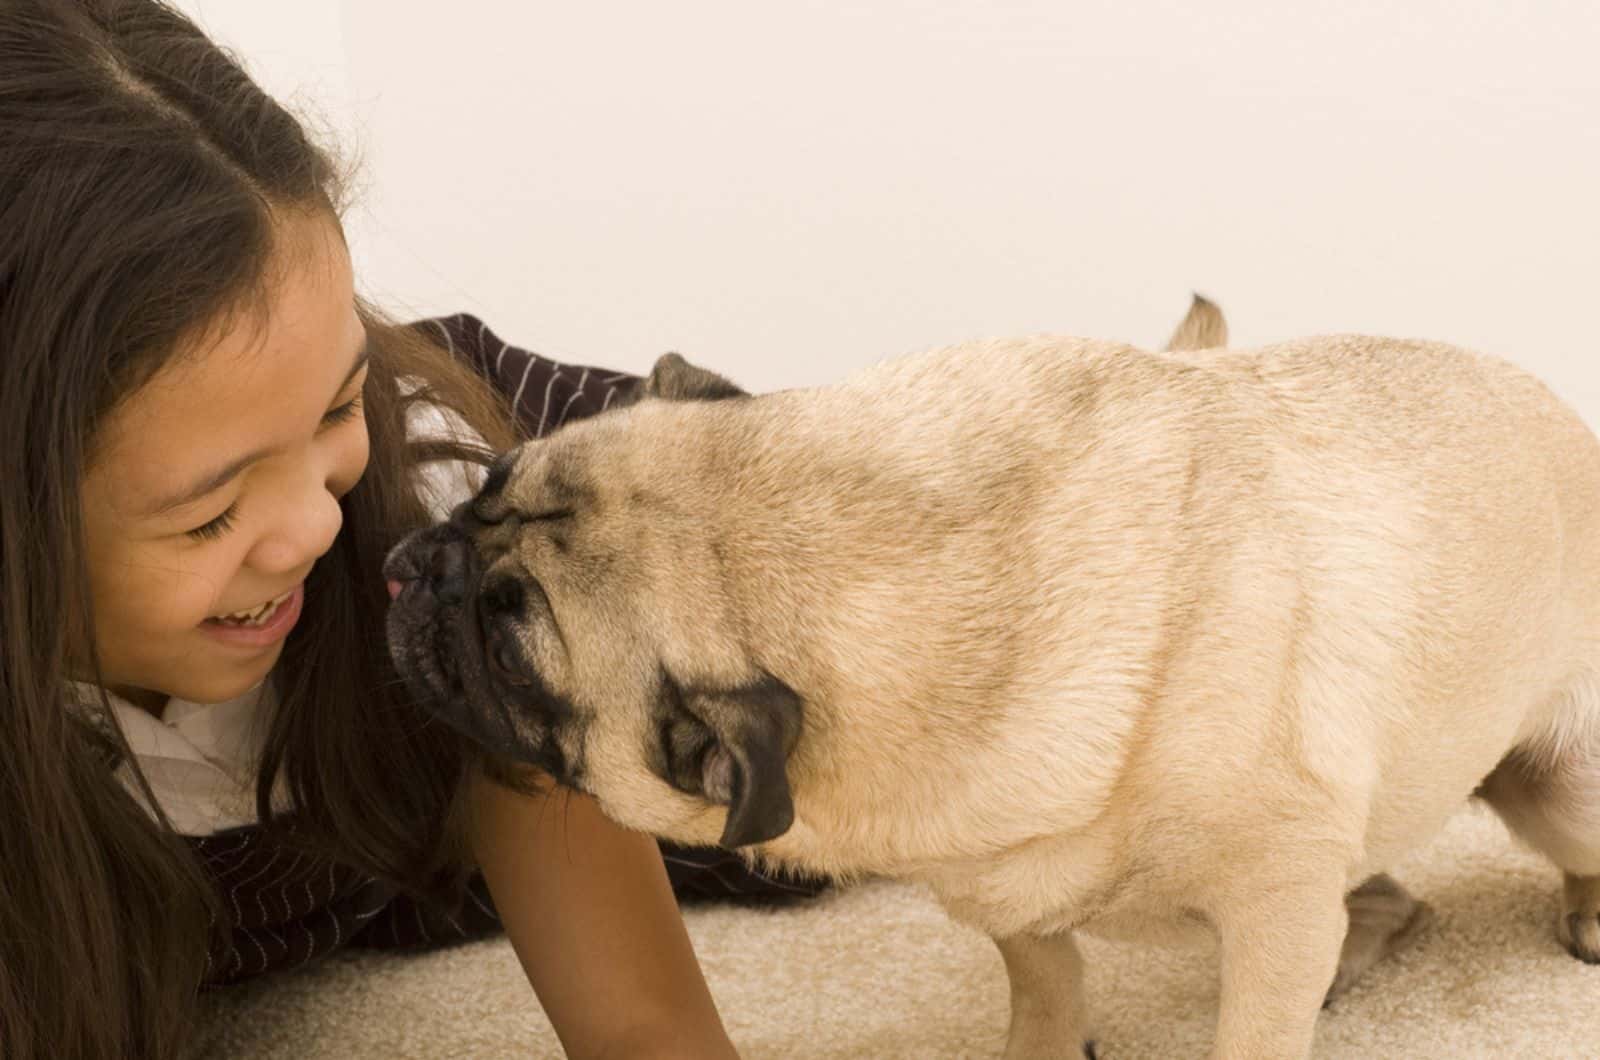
(1083, 636)
(1383, 917)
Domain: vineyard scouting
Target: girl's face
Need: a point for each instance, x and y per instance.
(215, 487)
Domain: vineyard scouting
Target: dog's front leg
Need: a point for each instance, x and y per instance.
(1046, 973)
(1279, 954)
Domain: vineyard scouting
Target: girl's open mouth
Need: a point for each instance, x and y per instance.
(260, 626)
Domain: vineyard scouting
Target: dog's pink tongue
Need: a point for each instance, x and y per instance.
(394, 589)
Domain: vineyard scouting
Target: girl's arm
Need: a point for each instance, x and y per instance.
(590, 914)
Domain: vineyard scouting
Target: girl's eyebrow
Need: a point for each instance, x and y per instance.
(215, 480)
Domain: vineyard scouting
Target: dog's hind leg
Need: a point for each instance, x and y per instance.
(1047, 1020)
(1548, 794)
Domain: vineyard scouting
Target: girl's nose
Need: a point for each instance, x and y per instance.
(301, 535)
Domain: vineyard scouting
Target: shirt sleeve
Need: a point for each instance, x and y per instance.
(543, 394)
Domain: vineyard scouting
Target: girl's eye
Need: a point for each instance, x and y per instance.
(344, 412)
(216, 527)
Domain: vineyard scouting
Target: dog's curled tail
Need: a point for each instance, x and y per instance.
(1202, 328)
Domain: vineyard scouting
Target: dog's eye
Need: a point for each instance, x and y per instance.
(490, 510)
(503, 596)
(505, 663)
(554, 515)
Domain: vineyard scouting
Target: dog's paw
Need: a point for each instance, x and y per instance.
(1054, 1049)
(1579, 926)
(1580, 934)
(1384, 918)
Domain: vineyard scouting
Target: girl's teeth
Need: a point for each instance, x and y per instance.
(253, 618)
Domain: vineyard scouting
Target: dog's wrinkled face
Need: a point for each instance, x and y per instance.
(535, 622)
(458, 635)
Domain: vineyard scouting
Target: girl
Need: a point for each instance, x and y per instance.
(208, 768)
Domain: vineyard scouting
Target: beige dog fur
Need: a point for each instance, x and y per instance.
(1089, 637)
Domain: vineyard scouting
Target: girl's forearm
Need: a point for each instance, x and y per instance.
(589, 911)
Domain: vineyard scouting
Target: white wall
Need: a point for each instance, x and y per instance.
(787, 191)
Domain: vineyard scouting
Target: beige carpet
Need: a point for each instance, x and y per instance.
(879, 972)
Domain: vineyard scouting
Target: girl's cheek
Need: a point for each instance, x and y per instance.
(350, 461)
(179, 592)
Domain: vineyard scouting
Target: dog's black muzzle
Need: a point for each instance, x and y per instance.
(441, 626)
(433, 635)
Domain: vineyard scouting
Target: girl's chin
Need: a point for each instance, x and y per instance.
(196, 669)
(225, 680)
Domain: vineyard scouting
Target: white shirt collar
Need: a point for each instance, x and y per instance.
(199, 758)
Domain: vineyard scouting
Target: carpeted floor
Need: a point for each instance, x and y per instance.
(879, 972)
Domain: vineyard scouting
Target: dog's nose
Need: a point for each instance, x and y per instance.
(435, 562)
(447, 572)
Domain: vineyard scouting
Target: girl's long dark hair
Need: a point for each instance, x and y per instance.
(140, 174)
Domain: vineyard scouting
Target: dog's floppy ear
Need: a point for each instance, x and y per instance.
(732, 747)
(675, 379)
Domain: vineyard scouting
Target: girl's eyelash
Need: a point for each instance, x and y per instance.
(224, 522)
(344, 412)
(216, 527)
